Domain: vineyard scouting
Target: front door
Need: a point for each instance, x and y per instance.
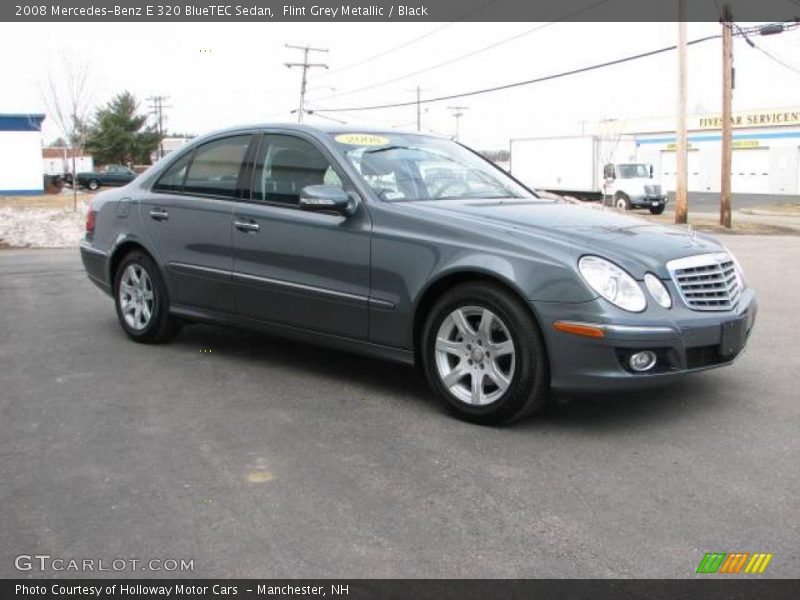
(188, 216)
(294, 267)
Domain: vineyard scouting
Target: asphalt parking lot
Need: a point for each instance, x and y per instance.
(257, 457)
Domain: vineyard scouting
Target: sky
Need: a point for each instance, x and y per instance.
(217, 75)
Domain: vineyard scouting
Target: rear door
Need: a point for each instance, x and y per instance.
(188, 216)
(293, 267)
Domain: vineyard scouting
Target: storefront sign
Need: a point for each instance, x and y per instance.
(756, 118)
(746, 144)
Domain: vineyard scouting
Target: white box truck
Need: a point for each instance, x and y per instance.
(590, 168)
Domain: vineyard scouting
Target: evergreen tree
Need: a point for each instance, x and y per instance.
(119, 134)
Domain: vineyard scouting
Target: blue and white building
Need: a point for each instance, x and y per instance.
(765, 155)
(21, 154)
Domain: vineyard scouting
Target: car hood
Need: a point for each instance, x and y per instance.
(636, 244)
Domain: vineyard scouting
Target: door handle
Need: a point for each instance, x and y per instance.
(246, 226)
(159, 214)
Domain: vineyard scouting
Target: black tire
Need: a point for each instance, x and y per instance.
(657, 210)
(529, 387)
(162, 326)
(93, 184)
(621, 201)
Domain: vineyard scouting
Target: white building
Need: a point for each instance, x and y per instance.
(168, 145)
(21, 154)
(765, 155)
(58, 161)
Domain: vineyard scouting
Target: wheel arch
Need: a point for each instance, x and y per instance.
(121, 249)
(440, 285)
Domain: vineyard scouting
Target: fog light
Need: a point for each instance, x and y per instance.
(642, 361)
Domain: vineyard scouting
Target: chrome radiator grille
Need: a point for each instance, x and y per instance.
(707, 281)
(652, 190)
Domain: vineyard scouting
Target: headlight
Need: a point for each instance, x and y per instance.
(612, 283)
(657, 290)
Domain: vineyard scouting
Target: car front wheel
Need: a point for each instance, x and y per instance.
(141, 300)
(93, 184)
(483, 355)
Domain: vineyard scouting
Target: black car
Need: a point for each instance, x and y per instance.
(109, 176)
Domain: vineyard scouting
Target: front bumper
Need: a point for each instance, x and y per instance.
(650, 201)
(685, 341)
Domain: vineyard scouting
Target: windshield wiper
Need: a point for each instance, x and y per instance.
(473, 196)
(386, 149)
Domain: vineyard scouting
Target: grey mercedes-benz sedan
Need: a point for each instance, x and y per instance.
(416, 249)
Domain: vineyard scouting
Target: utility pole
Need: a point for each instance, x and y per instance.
(419, 111)
(681, 149)
(458, 112)
(157, 107)
(418, 91)
(305, 65)
(727, 94)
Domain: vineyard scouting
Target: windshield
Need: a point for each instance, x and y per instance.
(633, 171)
(401, 167)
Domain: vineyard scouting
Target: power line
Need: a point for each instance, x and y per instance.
(389, 51)
(464, 56)
(311, 112)
(777, 60)
(764, 30)
(407, 43)
(516, 84)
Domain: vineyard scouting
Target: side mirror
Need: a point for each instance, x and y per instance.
(651, 171)
(326, 198)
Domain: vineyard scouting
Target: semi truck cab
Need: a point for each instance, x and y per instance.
(631, 185)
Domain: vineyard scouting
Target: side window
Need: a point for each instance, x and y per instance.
(285, 166)
(172, 179)
(214, 170)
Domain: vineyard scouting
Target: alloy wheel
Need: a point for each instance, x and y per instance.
(475, 355)
(136, 297)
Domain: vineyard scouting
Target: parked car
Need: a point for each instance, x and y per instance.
(109, 175)
(334, 236)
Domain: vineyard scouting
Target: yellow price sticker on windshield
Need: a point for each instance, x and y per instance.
(361, 139)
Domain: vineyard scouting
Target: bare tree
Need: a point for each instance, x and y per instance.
(610, 135)
(67, 95)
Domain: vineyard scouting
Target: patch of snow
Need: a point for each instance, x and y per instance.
(42, 227)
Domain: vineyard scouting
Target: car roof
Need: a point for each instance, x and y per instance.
(315, 129)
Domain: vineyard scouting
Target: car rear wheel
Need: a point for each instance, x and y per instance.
(483, 354)
(141, 300)
(93, 184)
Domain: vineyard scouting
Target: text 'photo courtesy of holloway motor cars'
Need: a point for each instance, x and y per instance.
(414, 248)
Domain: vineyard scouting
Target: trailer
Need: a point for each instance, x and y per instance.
(588, 167)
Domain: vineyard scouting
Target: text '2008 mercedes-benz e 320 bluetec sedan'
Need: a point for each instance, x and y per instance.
(414, 248)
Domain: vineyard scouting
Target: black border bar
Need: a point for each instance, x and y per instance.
(733, 588)
(382, 10)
